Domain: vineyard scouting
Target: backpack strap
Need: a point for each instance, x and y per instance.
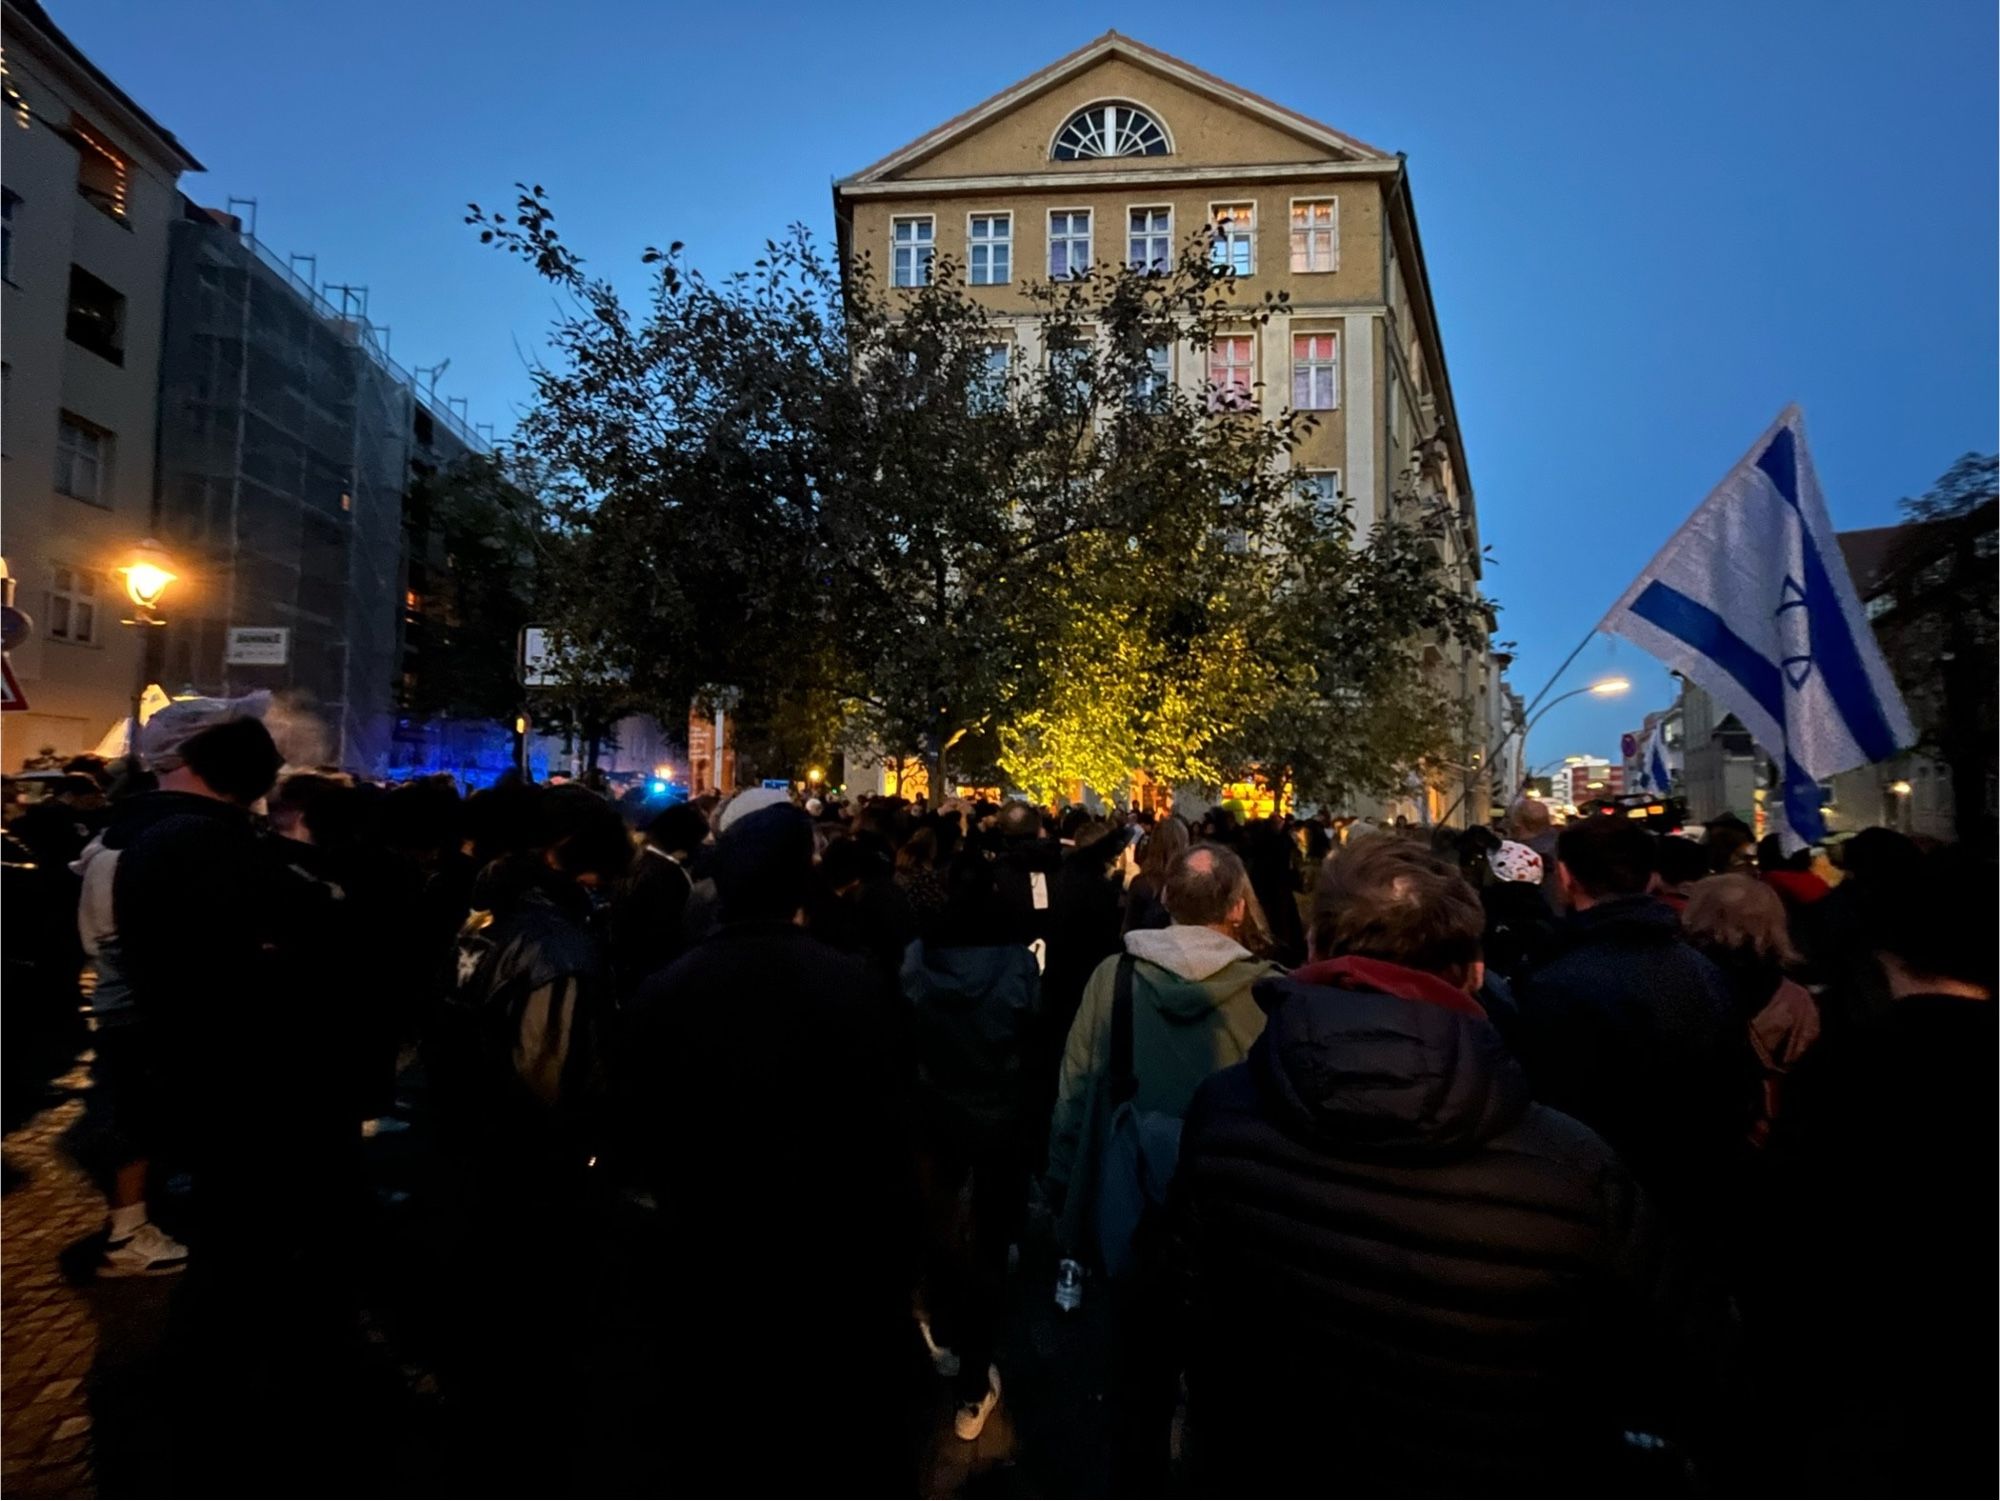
(1122, 1083)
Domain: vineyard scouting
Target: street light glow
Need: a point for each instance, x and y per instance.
(147, 575)
(1610, 687)
(814, 775)
(1901, 789)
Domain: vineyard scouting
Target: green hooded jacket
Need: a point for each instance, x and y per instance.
(1192, 1014)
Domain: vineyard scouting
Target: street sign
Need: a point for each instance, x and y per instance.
(11, 696)
(777, 784)
(537, 662)
(14, 627)
(258, 646)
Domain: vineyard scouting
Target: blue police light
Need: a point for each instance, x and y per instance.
(659, 788)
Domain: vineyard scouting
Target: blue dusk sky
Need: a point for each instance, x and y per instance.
(1649, 227)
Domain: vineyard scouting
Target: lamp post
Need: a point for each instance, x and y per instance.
(1603, 688)
(146, 576)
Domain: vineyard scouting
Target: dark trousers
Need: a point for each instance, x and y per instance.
(975, 1194)
(1144, 1385)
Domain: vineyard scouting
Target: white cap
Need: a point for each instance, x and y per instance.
(162, 736)
(749, 800)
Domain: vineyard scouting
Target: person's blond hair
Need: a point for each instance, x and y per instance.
(1738, 914)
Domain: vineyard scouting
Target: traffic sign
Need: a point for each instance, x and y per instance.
(14, 627)
(11, 696)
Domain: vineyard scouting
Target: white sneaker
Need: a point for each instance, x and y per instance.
(944, 1360)
(970, 1420)
(148, 1252)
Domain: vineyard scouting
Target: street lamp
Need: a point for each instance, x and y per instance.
(813, 776)
(146, 578)
(1603, 688)
(1901, 789)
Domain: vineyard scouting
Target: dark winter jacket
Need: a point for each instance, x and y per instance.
(1518, 923)
(972, 1010)
(648, 930)
(1626, 1027)
(1885, 1159)
(762, 1084)
(1404, 1276)
(524, 1045)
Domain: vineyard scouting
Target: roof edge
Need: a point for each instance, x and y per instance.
(30, 16)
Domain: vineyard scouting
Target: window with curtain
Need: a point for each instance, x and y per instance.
(1315, 372)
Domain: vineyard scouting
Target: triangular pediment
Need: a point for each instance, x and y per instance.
(1207, 121)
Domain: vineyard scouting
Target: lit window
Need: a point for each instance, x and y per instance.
(1232, 373)
(1236, 237)
(81, 451)
(72, 606)
(1069, 243)
(1315, 372)
(990, 249)
(1320, 488)
(10, 201)
(100, 169)
(1151, 238)
(1150, 390)
(1109, 130)
(915, 241)
(1316, 235)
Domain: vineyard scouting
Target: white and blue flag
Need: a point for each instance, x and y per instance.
(1658, 761)
(1751, 601)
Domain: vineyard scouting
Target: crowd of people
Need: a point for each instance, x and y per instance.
(1526, 1157)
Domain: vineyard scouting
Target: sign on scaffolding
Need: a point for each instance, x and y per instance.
(258, 646)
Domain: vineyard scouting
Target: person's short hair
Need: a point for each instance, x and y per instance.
(582, 833)
(680, 827)
(1019, 820)
(1389, 898)
(763, 864)
(1680, 860)
(1738, 915)
(237, 758)
(1204, 884)
(1606, 857)
(1528, 818)
(1727, 846)
(76, 784)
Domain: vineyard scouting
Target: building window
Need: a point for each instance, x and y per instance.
(1315, 372)
(96, 316)
(83, 452)
(1232, 373)
(73, 606)
(990, 249)
(1069, 243)
(10, 203)
(1109, 130)
(1068, 363)
(1149, 391)
(100, 169)
(1236, 237)
(1151, 237)
(1320, 488)
(915, 241)
(1316, 235)
(989, 385)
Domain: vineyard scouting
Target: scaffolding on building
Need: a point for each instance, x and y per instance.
(288, 439)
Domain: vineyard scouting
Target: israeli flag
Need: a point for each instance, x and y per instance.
(1750, 600)
(1658, 761)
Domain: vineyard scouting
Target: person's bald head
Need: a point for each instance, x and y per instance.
(1529, 818)
(1207, 887)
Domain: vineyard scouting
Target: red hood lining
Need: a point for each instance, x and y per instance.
(1351, 972)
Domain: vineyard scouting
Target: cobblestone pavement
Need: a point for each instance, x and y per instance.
(48, 1324)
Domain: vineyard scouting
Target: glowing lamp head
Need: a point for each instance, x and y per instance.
(1901, 789)
(147, 575)
(1610, 687)
(814, 775)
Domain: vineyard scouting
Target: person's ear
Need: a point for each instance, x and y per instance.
(1238, 912)
(1475, 977)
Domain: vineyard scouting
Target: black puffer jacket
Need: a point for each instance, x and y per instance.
(1624, 1026)
(1404, 1277)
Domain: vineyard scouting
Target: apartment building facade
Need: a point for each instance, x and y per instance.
(1122, 153)
(90, 193)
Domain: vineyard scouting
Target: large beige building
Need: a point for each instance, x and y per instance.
(1119, 152)
(90, 191)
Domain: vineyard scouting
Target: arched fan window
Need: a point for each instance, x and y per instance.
(1109, 130)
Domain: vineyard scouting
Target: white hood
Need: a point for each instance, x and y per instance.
(96, 865)
(1191, 953)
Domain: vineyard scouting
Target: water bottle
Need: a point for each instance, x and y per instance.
(1069, 1285)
